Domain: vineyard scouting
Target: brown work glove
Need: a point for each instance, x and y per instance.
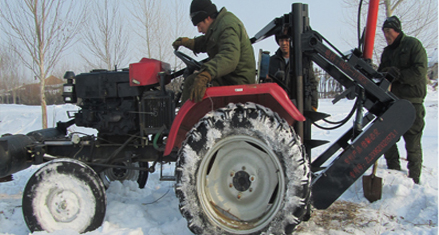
(199, 87)
(184, 41)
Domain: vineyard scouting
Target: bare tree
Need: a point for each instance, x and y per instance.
(10, 75)
(146, 15)
(182, 25)
(419, 19)
(159, 23)
(105, 37)
(41, 30)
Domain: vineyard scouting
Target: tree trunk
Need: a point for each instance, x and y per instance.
(14, 96)
(43, 103)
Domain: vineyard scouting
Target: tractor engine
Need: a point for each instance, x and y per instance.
(107, 102)
(121, 102)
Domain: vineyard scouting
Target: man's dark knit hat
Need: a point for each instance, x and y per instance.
(201, 9)
(393, 22)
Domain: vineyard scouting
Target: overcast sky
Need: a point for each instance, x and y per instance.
(328, 17)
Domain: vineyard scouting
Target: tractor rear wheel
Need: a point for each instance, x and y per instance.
(242, 170)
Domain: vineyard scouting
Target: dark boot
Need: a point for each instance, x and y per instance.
(415, 179)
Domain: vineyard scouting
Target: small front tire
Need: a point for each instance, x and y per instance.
(64, 194)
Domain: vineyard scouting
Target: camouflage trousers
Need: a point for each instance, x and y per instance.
(413, 146)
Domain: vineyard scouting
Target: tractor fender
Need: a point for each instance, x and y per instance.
(269, 95)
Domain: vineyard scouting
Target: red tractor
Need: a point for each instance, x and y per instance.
(240, 167)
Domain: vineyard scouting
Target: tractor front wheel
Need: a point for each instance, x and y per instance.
(64, 194)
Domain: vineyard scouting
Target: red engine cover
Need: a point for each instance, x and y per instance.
(146, 72)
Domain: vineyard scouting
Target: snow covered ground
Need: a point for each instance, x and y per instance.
(405, 208)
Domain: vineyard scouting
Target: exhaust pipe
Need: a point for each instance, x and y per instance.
(13, 154)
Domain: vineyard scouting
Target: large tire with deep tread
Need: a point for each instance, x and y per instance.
(64, 194)
(242, 170)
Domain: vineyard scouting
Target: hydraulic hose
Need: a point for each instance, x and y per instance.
(338, 123)
(156, 137)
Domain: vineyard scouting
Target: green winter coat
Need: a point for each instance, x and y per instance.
(408, 55)
(232, 61)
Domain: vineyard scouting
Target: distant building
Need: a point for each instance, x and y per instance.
(29, 94)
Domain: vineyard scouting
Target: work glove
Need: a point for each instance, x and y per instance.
(199, 86)
(392, 73)
(184, 41)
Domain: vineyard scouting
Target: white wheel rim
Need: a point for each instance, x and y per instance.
(63, 205)
(63, 202)
(240, 186)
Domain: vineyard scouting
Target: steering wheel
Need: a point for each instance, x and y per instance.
(189, 61)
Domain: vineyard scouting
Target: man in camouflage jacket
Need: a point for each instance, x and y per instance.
(406, 59)
(231, 56)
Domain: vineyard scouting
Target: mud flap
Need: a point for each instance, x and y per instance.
(364, 151)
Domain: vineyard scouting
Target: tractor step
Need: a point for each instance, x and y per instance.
(166, 177)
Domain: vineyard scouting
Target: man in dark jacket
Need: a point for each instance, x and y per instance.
(231, 57)
(279, 69)
(406, 59)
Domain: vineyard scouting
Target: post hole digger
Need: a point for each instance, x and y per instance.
(240, 167)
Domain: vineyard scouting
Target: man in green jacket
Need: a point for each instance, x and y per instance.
(231, 57)
(406, 59)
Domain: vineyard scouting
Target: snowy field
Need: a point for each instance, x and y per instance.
(405, 208)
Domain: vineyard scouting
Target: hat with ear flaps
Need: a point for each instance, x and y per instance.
(201, 9)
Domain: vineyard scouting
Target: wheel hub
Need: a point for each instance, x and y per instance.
(63, 205)
(237, 182)
(119, 173)
(241, 181)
